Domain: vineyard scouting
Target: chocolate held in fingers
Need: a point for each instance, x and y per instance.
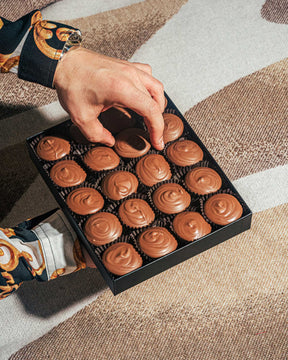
(132, 143)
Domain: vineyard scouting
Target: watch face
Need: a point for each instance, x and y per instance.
(75, 38)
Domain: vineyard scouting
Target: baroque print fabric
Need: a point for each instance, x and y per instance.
(32, 47)
(42, 248)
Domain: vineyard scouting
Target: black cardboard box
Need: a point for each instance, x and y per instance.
(150, 266)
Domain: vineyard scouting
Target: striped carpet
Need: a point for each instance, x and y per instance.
(224, 65)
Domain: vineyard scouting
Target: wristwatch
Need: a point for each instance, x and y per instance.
(73, 42)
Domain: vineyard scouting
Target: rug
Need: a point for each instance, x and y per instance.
(224, 65)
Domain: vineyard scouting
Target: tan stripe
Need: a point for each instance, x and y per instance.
(245, 125)
(121, 32)
(117, 33)
(227, 303)
(14, 10)
(275, 11)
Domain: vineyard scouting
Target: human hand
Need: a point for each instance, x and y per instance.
(88, 83)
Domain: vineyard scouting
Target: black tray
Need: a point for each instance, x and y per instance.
(150, 267)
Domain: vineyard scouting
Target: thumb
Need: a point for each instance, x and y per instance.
(94, 131)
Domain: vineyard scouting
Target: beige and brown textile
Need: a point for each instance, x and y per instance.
(230, 302)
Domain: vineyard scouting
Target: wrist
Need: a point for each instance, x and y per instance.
(72, 44)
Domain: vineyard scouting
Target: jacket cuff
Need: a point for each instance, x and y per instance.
(42, 50)
(61, 248)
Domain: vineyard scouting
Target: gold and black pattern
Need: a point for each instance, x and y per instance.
(41, 50)
(22, 256)
(16, 265)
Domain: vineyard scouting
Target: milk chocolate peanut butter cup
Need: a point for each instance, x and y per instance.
(84, 201)
(121, 258)
(136, 213)
(132, 143)
(52, 148)
(184, 153)
(203, 180)
(102, 228)
(156, 242)
(190, 226)
(223, 209)
(119, 184)
(173, 127)
(171, 198)
(67, 173)
(101, 158)
(152, 169)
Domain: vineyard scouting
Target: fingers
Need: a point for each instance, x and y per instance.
(155, 89)
(142, 103)
(154, 86)
(143, 67)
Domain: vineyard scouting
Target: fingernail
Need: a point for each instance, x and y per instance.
(109, 143)
(161, 142)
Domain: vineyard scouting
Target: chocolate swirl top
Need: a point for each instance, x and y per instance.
(119, 184)
(132, 143)
(203, 180)
(67, 173)
(190, 225)
(184, 153)
(102, 228)
(136, 213)
(121, 258)
(84, 201)
(52, 148)
(171, 198)
(116, 119)
(173, 127)
(101, 158)
(156, 242)
(223, 209)
(152, 169)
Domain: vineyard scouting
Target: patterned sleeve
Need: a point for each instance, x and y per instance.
(32, 47)
(42, 252)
